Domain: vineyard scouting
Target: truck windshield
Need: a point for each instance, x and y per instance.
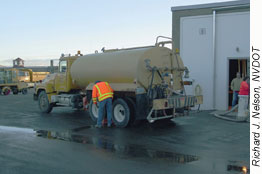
(63, 66)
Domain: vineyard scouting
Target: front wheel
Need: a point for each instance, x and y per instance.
(43, 103)
(6, 91)
(121, 113)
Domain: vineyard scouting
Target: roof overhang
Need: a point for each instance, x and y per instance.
(211, 5)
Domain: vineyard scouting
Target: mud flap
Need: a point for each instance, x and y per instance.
(142, 107)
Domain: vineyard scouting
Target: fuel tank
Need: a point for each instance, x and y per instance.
(127, 66)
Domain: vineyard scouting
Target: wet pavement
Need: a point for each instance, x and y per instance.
(66, 141)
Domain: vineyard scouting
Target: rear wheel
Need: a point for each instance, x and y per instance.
(43, 103)
(121, 113)
(93, 111)
(132, 107)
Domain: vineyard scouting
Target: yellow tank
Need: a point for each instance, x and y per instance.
(144, 82)
(127, 66)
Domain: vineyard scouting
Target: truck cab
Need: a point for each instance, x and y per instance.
(58, 89)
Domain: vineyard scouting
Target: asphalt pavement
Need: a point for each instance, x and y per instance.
(66, 141)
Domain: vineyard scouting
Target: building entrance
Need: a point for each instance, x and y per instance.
(236, 65)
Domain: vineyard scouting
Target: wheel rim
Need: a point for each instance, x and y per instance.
(119, 113)
(94, 111)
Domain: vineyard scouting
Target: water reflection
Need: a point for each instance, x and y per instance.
(240, 167)
(122, 150)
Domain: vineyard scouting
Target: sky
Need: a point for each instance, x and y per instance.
(38, 31)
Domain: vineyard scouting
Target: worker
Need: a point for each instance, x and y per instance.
(104, 93)
(235, 87)
(244, 87)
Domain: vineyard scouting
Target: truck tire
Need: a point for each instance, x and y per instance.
(6, 91)
(132, 107)
(93, 111)
(43, 103)
(24, 91)
(121, 113)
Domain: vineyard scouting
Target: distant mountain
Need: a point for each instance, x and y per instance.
(28, 62)
(2, 66)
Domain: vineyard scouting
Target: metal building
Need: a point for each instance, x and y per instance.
(214, 43)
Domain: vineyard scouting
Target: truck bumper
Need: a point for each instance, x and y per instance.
(171, 104)
(177, 102)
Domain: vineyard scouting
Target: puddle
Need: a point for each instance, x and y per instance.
(81, 128)
(124, 151)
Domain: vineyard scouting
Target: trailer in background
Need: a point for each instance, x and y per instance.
(31, 77)
(9, 82)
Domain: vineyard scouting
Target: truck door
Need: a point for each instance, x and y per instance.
(60, 80)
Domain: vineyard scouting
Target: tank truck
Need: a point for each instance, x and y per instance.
(147, 83)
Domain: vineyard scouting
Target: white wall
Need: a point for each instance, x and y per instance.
(232, 31)
(196, 52)
(196, 44)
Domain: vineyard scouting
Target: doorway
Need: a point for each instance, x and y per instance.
(236, 65)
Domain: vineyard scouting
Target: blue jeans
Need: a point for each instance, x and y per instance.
(107, 103)
(235, 98)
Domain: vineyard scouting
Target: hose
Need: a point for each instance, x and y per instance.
(231, 110)
(151, 83)
(160, 75)
(239, 119)
(224, 117)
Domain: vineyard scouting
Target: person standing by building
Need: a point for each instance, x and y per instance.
(244, 87)
(235, 87)
(104, 93)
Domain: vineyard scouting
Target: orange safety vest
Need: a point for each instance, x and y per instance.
(102, 91)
